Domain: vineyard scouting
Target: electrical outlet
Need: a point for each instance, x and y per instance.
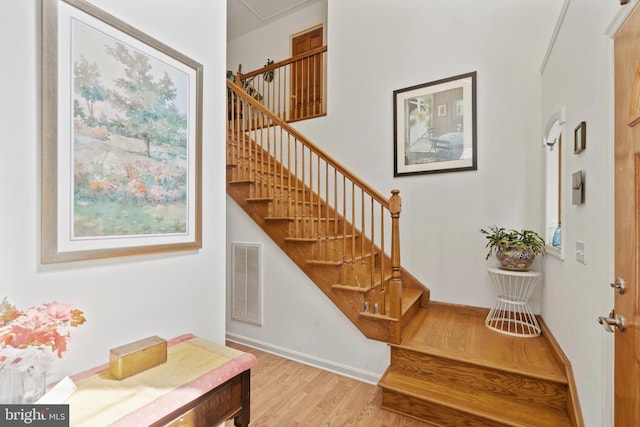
(581, 252)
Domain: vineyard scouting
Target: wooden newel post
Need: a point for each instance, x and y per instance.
(239, 76)
(238, 104)
(395, 285)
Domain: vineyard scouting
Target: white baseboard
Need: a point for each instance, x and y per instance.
(316, 362)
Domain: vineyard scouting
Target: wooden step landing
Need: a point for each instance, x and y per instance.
(444, 405)
(459, 332)
(451, 370)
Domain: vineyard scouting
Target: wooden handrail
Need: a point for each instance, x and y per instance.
(283, 63)
(293, 89)
(277, 120)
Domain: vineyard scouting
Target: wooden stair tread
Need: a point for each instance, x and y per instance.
(368, 288)
(353, 288)
(483, 404)
(341, 262)
(317, 239)
(464, 336)
(275, 185)
(525, 370)
(293, 218)
(409, 298)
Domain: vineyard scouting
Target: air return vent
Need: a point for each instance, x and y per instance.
(246, 282)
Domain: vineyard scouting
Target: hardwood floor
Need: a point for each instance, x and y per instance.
(287, 393)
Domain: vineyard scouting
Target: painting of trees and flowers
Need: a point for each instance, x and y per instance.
(130, 140)
(128, 137)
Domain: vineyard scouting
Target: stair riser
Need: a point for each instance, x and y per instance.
(464, 376)
(362, 273)
(410, 313)
(436, 414)
(283, 195)
(348, 277)
(282, 207)
(337, 249)
(312, 227)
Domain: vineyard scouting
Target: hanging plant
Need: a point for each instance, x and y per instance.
(268, 75)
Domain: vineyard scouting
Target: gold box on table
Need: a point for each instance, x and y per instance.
(138, 356)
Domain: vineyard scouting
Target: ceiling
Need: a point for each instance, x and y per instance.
(244, 16)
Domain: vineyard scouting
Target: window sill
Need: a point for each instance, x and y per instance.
(553, 251)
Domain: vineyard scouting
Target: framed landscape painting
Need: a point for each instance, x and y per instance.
(435, 126)
(121, 139)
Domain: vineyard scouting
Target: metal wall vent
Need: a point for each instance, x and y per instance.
(246, 282)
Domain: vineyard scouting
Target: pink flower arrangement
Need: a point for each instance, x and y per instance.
(36, 335)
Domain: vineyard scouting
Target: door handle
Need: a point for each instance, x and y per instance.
(613, 321)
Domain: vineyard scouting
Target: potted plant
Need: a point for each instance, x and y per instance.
(247, 84)
(268, 75)
(514, 249)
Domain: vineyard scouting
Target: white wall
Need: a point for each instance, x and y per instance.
(578, 75)
(393, 46)
(376, 47)
(129, 298)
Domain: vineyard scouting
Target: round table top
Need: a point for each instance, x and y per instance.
(496, 270)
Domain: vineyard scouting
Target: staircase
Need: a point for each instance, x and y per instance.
(447, 368)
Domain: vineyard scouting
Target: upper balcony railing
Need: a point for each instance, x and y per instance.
(293, 89)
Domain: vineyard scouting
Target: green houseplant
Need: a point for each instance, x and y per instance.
(514, 249)
(267, 75)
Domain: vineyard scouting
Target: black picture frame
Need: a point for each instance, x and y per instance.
(435, 126)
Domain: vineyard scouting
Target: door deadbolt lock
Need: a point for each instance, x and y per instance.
(619, 285)
(613, 321)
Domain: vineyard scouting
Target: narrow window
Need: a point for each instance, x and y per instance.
(553, 186)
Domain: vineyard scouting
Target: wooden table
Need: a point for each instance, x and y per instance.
(202, 384)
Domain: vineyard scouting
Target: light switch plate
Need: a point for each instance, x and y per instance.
(577, 187)
(581, 252)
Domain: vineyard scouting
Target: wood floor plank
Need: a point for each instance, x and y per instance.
(287, 393)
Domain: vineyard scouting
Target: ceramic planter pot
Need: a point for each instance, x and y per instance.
(515, 259)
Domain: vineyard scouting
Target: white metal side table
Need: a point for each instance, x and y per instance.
(511, 314)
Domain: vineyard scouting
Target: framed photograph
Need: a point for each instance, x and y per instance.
(435, 126)
(121, 139)
(580, 138)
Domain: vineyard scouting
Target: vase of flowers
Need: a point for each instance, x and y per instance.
(30, 340)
